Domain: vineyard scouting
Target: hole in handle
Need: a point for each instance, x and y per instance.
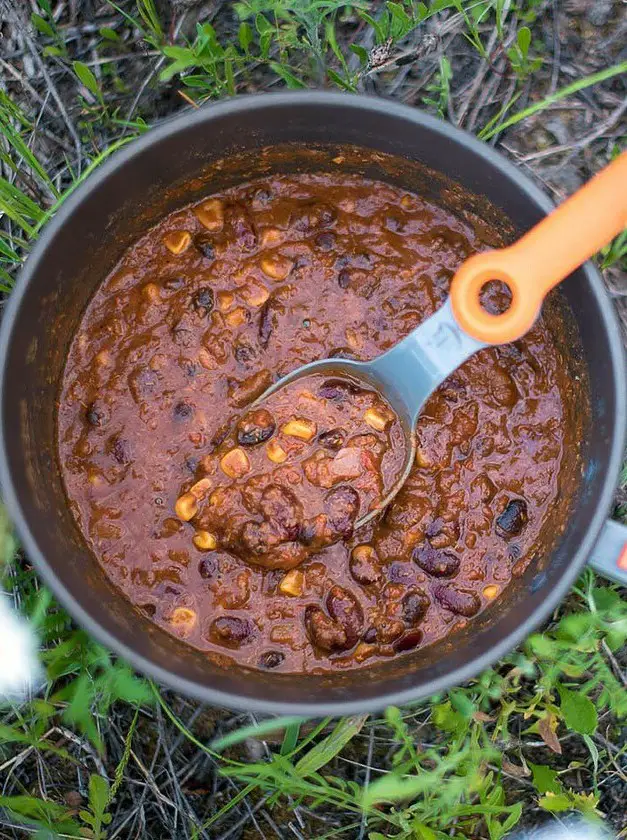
(495, 297)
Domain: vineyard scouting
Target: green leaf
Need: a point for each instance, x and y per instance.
(87, 78)
(42, 25)
(578, 711)
(401, 23)
(328, 748)
(361, 53)
(524, 40)
(245, 36)
(395, 788)
(345, 84)
(545, 779)
(449, 720)
(288, 77)
(256, 730)
(108, 33)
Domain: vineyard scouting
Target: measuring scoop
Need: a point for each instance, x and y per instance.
(408, 373)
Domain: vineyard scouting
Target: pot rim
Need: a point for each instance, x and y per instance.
(206, 693)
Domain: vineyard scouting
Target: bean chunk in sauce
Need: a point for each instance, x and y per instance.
(296, 473)
(232, 526)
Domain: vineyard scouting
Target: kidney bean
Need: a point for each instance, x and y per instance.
(281, 507)
(323, 632)
(408, 641)
(203, 301)
(268, 319)
(435, 561)
(271, 659)
(513, 519)
(231, 631)
(97, 414)
(255, 427)
(459, 601)
(346, 610)
(342, 506)
(244, 391)
(332, 439)
(414, 607)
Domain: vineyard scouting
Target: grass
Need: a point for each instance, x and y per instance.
(103, 753)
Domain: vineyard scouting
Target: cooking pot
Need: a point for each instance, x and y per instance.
(175, 162)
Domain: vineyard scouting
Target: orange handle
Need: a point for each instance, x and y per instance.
(542, 258)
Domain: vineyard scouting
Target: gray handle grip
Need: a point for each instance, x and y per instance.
(609, 555)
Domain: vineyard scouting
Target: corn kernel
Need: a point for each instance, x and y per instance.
(206, 359)
(200, 489)
(422, 458)
(186, 507)
(353, 339)
(407, 202)
(378, 419)
(300, 428)
(151, 292)
(225, 300)
(292, 583)
(270, 236)
(204, 541)
(177, 241)
(210, 214)
(275, 452)
(235, 463)
(363, 651)
(276, 266)
(490, 592)
(183, 619)
(363, 552)
(236, 317)
(254, 294)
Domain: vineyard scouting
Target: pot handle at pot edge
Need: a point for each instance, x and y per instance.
(609, 555)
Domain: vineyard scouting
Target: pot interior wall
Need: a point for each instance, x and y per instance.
(109, 217)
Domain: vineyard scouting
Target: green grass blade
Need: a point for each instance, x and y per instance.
(569, 90)
(257, 730)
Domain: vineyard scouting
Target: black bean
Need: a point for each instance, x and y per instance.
(414, 606)
(204, 244)
(262, 196)
(393, 224)
(338, 389)
(370, 636)
(207, 568)
(203, 301)
(97, 414)
(344, 278)
(325, 241)
(513, 519)
(312, 216)
(120, 449)
(459, 601)
(342, 506)
(342, 353)
(192, 463)
(271, 659)
(173, 284)
(244, 353)
(255, 427)
(183, 411)
(436, 561)
(242, 227)
(332, 439)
